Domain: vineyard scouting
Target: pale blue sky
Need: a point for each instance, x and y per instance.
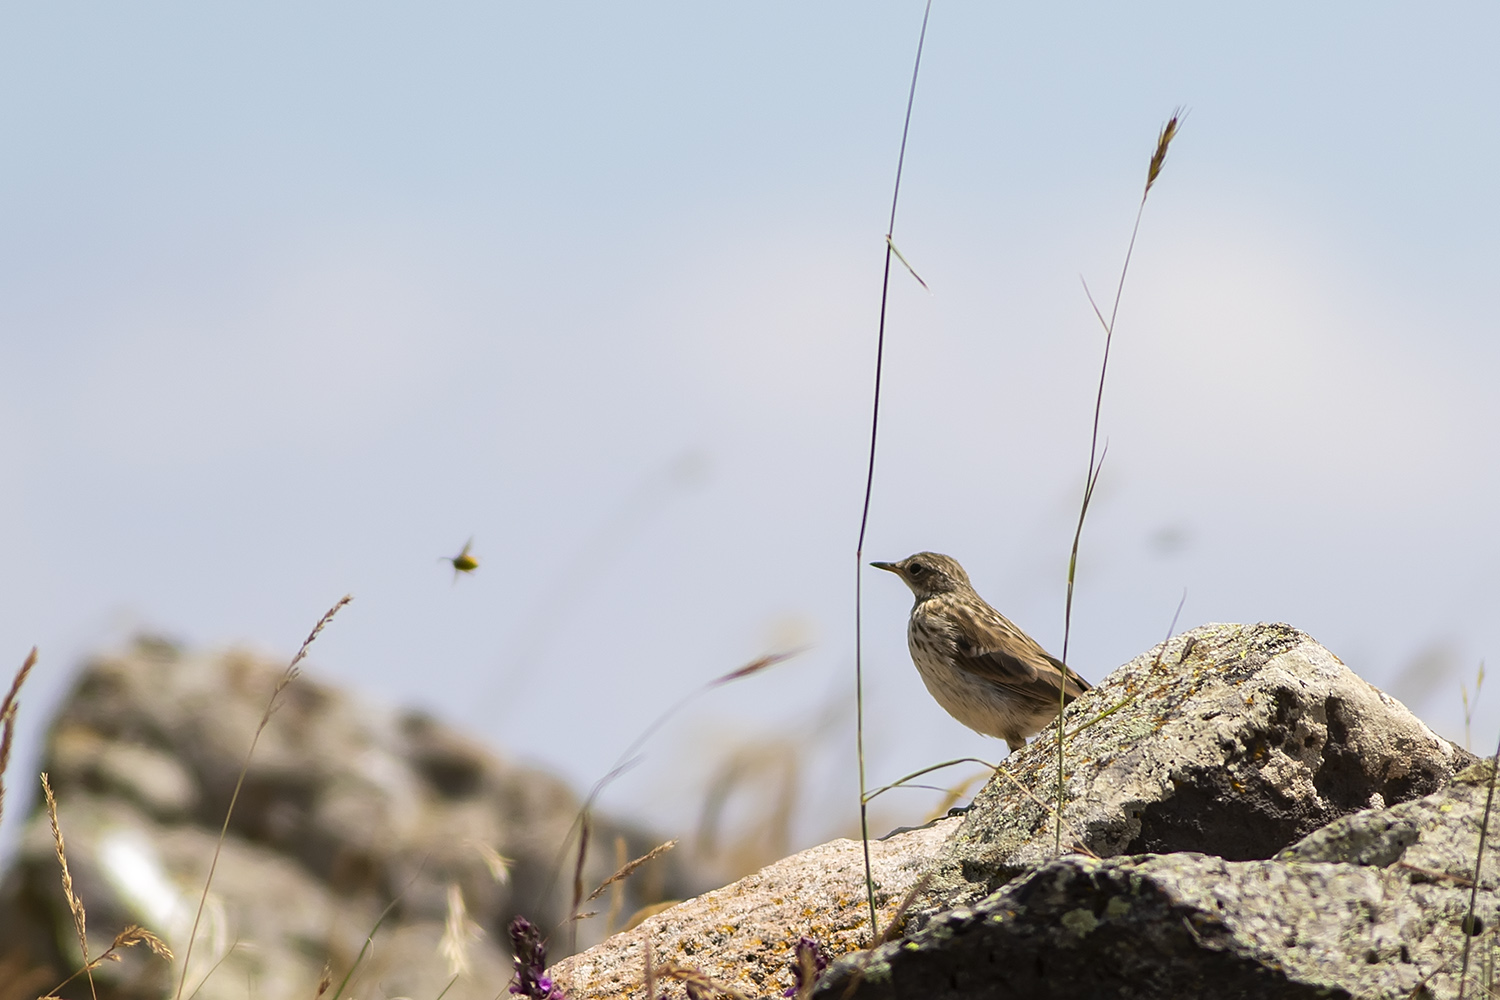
(295, 299)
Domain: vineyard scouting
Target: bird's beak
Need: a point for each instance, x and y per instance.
(888, 567)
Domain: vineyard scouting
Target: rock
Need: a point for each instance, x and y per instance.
(344, 809)
(743, 935)
(1231, 740)
(1373, 906)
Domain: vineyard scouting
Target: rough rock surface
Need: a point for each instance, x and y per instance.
(1373, 906)
(1232, 740)
(743, 935)
(344, 809)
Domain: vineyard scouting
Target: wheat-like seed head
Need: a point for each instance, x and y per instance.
(1163, 140)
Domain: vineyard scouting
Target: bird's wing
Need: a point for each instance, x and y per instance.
(991, 647)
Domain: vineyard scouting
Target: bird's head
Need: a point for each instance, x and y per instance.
(929, 573)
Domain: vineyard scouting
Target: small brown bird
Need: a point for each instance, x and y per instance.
(987, 673)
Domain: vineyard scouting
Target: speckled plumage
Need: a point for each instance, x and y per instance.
(980, 667)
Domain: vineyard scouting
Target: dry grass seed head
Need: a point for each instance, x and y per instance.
(292, 672)
(134, 935)
(458, 932)
(496, 863)
(1163, 141)
(75, 905)
(629, 868)
(697, 982)
(324, 981)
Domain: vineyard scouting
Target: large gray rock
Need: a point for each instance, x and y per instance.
(1373, 906)
(1231, 740)
(345, 808)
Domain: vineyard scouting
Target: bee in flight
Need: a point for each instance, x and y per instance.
(464, 562)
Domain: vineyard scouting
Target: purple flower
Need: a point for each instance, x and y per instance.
(808, 958)
(531, 980)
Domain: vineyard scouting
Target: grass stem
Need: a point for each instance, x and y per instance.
(1096, 457)
(864, 517)
(1484, 825)
(292, 672)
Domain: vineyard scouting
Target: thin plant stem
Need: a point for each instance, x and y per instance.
(291, 673)
(864, 517)
(1096, 457)
(8, 709)
(1156, 662)
(1484, 826)
(632, 756)
(900, 782)
(369, 940)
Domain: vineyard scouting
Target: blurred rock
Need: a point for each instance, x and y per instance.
(345, 810)
(743, 935)
(1372, 906)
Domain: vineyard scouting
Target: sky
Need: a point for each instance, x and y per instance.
(295, 299)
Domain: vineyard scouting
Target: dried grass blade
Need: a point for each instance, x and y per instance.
(754, 667)
(629, 868)
(1078, 842)
(907, 264)
(8, 709)
(1170, 629)
(583, 853)
(898, 920)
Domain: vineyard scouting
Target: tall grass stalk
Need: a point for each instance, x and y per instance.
(1468, 926)
(1096, 456)
(292, 672)
(864, 516)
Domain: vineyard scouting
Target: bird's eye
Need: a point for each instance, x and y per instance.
(916, 569)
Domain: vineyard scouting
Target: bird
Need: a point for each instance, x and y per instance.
(980, 667)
